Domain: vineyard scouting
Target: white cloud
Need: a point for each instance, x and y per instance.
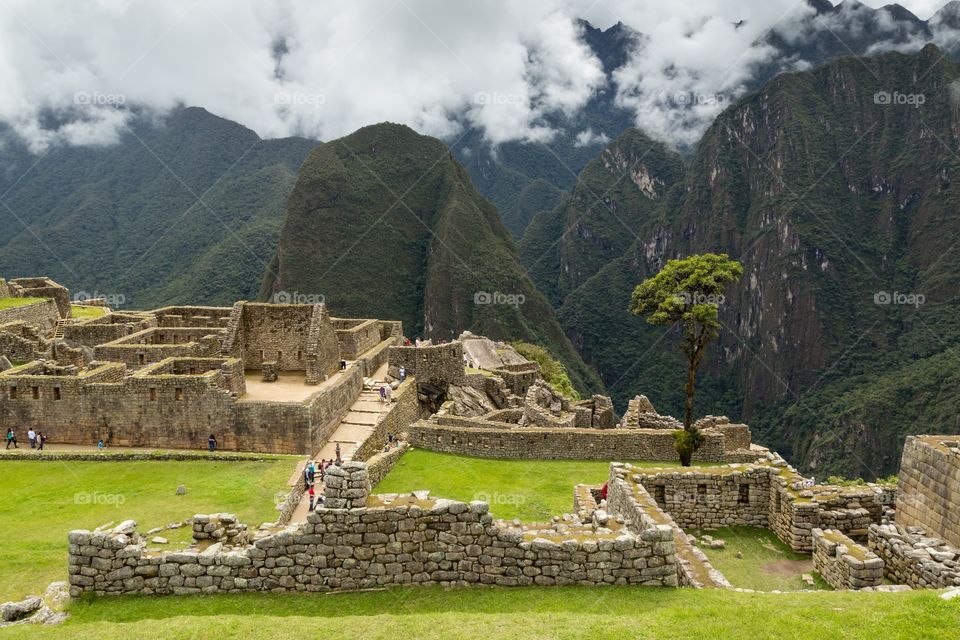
(435, 65)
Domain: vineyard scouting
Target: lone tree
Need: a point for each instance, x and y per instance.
(688, 293)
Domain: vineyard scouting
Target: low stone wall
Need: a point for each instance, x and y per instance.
(356, 336)
(627, 498)
(912, 559)
(712, 499)
(403, 542)
(219, 527)
(477, 437)
(381, 464)
(843, 563)
(42, 314)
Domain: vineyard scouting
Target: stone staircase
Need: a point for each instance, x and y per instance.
(356, 426)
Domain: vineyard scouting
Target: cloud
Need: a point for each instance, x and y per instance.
(71, 71)
(293, 66)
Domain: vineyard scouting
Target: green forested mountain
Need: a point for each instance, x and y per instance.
(385, 223)
(839, 194)
(185, 210)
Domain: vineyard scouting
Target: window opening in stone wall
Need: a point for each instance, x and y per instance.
(178, 394)
(153, 393)
(299, 355)
(701, 489)
(13, 393)
(744, 497)
(36, 393)
(56, 393)
(660, 494)
(776, 501)
(261, 355)
(140, 358)
(279, 356)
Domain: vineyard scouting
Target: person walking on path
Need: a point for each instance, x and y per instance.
(32, 437)
(383, 394)
(389, 391)
(403, 374)
(338, 453)
(41, 439)
(211, 443)
(312, 495)
(11, 439)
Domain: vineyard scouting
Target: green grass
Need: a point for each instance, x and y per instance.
(86, 311)
(547, 612)
(531, 490)
(767, 564)
(10, 303)
(45, 500)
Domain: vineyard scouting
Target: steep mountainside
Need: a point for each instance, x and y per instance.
(842, 204)
(385, 223)
(799, 40)
(186, 210)
(614, 197)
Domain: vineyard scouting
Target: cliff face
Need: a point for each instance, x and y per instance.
(835, 189)
(385, 223)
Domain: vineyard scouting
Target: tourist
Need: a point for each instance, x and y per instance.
(32, 437)
(211, 443)
(406, 342)
(323, 466)
(41, 439)
(310, 473)
(389, 391)
(100, 443)
(338, 454)
(383, 394)
(312, 494)
(343, 365)
(11, 439)
(403, 374)
(418, 343)
(603, 491)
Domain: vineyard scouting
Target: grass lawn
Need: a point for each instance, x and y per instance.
(86, 311)
(549, 612)
(531, 490)
(9, 303)
(767, 564)
(45, 500)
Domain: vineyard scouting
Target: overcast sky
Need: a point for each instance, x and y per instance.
(320, 69)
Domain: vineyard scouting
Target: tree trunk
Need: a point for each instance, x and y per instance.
(691, 382)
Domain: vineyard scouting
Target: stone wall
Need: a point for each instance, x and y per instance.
(193, 316)
(153, 345)
(21, 342)
(356, 336)
(434, 364)
(913, 559)
(42, 314)
(298, 337)
(477, 437)
(176, 403)
(628, 499)
(42, 288)
(380, 542)
(929, 495)
(107, 328)
(380, 465)
(843, 563)
(711, 499)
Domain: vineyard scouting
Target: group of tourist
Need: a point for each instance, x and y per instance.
(37, 439)
(310, 473)
(386, 393)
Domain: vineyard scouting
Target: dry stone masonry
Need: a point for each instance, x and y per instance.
(843, 563)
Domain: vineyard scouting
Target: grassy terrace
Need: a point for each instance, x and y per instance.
(492, 614)
(86, 311)
(45, 500)
(532, 491)
(9, 303)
